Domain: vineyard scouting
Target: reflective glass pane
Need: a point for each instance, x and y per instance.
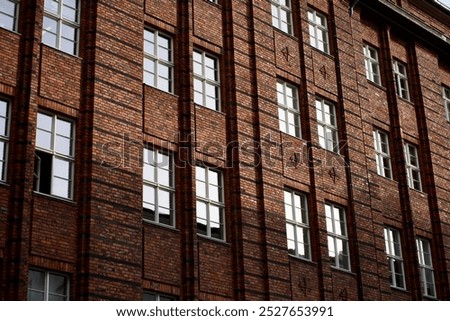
(61, 168)
(61, 187)
(148, 196)
(52, 6)
(36, 280)
(201, 210)
(44, 139)
(57, 284)
(164, 198)
(35, 295)
(215, 214)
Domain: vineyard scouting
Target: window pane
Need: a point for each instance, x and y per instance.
(35, 295)
(52, 6)
(149, 197)
(57, 284)
(36, 280)
(61, 187)
(61, 168)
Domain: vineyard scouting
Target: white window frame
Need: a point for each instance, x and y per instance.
(393, 249)
(426, 267)
(61, 22)
(156, 78)
(446, 97)
(163, 162)
(382, 153)
(4, 138)
(282, 15)
(413, 167)
(327, 125)
(372, 64)
(297, 224)
(401, 79)
(336, 222)
(208, 202)
(55, 155)
(316, 28)
(288, 108)
(203, 80)
(10, 15)
(46, 290)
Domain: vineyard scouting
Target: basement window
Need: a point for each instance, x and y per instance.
(54, 156)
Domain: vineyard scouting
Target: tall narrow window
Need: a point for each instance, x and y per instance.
(288, 111)
(210, 205)
(382, 154)
(318, 30)
(47, 286)
(372, 64)
(412, 167)
(4, 137)
(61, 25)
(446, 96)
(401, 80)
(338, 247)
(158, 61)
(327, 125)
(426, 267)
(159, 188)
(9, 10)
(297, 224)
(394, 257)
(54, 156)
(282, 15)
(206, 80)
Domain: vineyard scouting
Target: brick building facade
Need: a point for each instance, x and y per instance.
(224, 150)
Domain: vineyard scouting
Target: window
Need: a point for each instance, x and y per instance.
(159, 188)
(158, 63)
(288, 111)
(318, 30)
(338, 249)
(297, 224)
(401, 80)
(54, 157)
(9, 10)
(210, 206)
(47, 286)
(4, 134)
(282, 15)
(382, 154)
(206, 80)
(446, 95)
(412, 167)
(61, 25)
(153, 296)
(372, 64)
(426, 267)
(394, 257)
(327, 125)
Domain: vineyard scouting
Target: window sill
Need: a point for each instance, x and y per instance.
(301, 259)
(156, 88)
(214, 110)
(327, 54)
(150, 222)
(379, 86)
(290, 35)
(63, 53)
(56, 198)
(404, 290)
(212, 239)
(337, 269)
